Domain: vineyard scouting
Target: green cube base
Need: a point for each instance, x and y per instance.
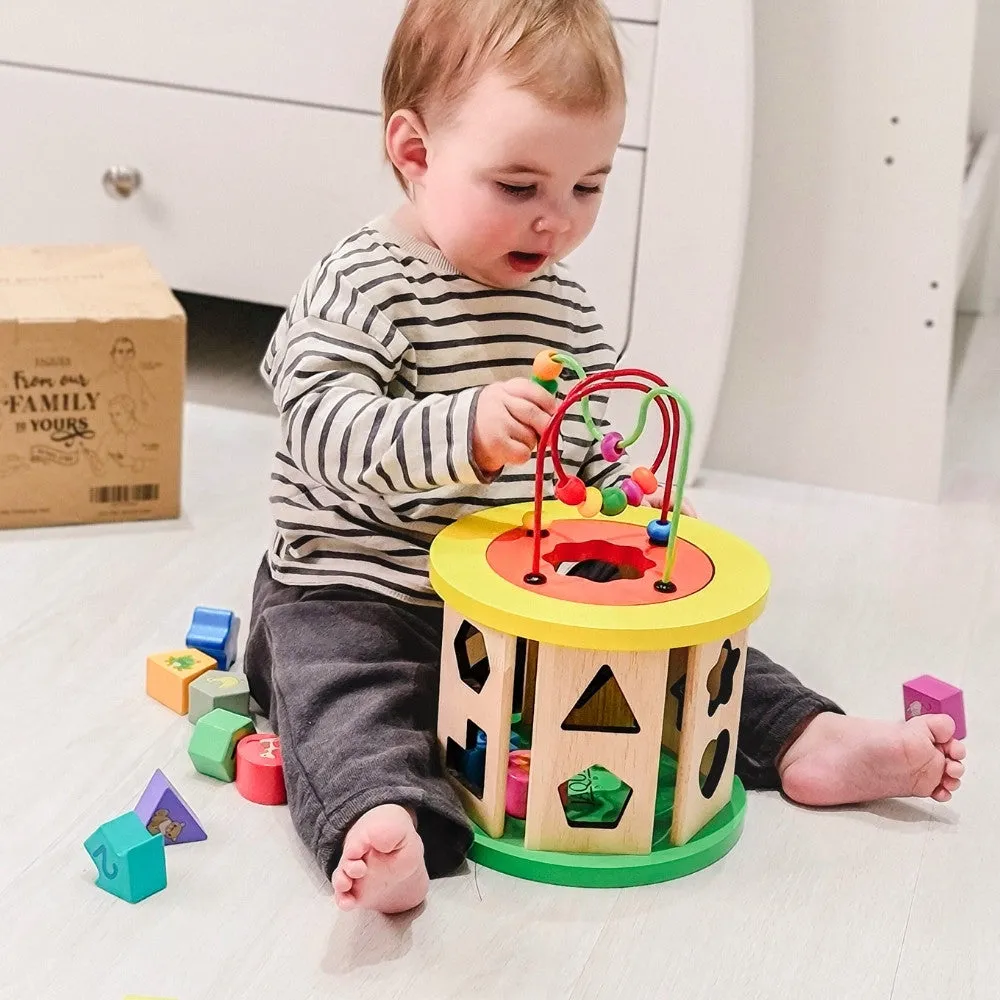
(213, 743)
(131, 862)
(604, 871)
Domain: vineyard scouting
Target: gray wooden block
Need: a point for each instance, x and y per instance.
(218, 689)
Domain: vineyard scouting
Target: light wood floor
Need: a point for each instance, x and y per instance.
(899, 901)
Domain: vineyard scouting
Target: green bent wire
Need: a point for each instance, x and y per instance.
(574, 366)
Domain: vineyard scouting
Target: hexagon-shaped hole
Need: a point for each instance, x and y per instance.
(720, 680)
(713, 763)
(596, 798)
(473, 660)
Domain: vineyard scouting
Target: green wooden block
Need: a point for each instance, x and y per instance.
(131, 862)
(213, 743)
(218, 689)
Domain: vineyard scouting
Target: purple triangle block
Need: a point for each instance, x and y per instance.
(162, 810)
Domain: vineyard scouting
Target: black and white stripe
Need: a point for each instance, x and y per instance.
(376, 368)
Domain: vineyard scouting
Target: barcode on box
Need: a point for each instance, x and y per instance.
(125, 494)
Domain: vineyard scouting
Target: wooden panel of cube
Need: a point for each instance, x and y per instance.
(169, 676)
(213, 743)
(131, 862)
(218, 689)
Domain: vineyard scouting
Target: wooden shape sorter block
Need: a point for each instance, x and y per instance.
(213, 743)
(260, 775)
(218, 689)
(713, 694)
(214, 631)
(169, 675)
(477, 686)
(926, 695)
(131, 862)
(625, 743)
(162, 810)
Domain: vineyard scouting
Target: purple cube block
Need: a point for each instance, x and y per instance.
(162, 810)
(926, 695)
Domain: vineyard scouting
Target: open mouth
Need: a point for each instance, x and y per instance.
(525, 262)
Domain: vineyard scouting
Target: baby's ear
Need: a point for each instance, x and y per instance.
(406, 145)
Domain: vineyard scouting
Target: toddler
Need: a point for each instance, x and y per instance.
(401, 372)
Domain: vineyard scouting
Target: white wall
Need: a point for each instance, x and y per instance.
(839, 366)
(982, 291)
(986, 80)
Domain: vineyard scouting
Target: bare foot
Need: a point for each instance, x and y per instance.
(382, 867)
(840, 759)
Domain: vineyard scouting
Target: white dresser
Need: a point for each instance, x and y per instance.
(248, 141)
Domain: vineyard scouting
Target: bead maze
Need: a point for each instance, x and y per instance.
(611, 645)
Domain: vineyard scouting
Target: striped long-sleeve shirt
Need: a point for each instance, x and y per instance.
(376, 367)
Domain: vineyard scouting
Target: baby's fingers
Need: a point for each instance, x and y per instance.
(954, 769)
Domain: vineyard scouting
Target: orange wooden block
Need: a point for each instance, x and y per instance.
(169, 674)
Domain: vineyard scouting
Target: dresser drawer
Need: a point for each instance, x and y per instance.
(310, 51)
(238, 197)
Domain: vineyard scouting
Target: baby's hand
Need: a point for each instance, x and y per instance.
(656, 500)
(510, 418)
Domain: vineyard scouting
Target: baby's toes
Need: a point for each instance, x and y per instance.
(354, 868)
(954, 769)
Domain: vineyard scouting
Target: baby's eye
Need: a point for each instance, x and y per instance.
(517, 190)
(586, 189)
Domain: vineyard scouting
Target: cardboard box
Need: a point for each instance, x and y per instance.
(92, 358)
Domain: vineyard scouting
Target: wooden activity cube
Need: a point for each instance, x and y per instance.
(601, 679)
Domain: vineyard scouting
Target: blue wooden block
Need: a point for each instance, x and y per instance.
(214, 632)
(131, 862)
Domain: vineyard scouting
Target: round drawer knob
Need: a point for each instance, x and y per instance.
(121, 182)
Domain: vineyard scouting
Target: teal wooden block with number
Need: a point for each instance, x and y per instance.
(131, 862)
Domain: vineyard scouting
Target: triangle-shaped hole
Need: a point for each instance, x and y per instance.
(602, 708)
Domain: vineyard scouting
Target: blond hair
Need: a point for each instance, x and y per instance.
(563, 52)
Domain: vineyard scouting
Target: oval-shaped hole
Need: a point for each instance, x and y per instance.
(713, 763)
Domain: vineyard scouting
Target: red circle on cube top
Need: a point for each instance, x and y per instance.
(260, 776)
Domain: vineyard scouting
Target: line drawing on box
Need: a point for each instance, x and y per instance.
(122, 378)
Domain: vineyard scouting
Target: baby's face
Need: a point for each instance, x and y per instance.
(511, 184)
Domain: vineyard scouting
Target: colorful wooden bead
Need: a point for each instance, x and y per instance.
(633, 492)
(545, 367)
(614, 501)
(611, 446)
(260, 775)
(571, 492)
(528, 522)
(645, 480)
(659, 532)
(592, 503)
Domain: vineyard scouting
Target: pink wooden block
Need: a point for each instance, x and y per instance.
(926, 695)
(517, 783)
